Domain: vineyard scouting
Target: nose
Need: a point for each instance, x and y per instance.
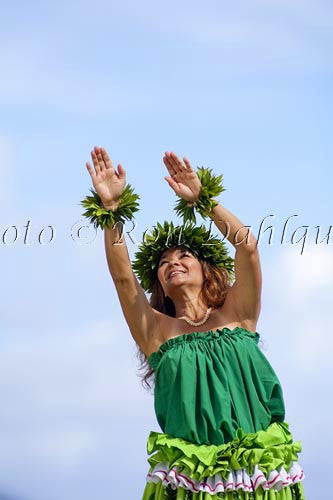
(173, 264)
(173, 260)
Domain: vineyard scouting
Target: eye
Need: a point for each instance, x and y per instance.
(186, 254)
(183, 254)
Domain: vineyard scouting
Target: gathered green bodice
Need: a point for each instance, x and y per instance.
(208, 384)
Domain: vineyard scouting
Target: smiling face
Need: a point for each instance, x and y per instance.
(179, 267)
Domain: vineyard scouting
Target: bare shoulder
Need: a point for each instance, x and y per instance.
(159, 333)
(165, 327)
(245, 293)
(168, 327)
(230, 312)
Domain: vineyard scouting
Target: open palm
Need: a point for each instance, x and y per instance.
(108, 183)
(183, 179)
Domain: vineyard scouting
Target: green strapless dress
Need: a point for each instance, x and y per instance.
(220, 406)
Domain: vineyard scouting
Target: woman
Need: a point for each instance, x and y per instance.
(217, 398)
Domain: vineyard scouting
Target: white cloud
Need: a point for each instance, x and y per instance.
(297, 334)
(308, 274)
(32, 79)
(260, 33)
(67, 397)
(296, 309)
(70, 370)
(312, 13)
(156, 17)
(77, 391)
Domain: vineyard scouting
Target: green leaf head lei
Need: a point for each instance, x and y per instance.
(196, 238)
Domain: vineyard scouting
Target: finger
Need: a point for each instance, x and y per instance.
(188, 165)
(106, 159)
(90, 170)
(172, 184)
(168, 165)
(100, 158)
(121, 172)
(172, 162)
(95, 162)
(176, 163)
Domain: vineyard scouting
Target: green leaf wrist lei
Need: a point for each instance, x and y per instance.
(102, 217)
(196, 238)
(211, 186)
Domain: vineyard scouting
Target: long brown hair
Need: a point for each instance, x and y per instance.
(213, 293)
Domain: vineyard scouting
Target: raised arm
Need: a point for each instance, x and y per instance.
(245, 294)
(141, 318)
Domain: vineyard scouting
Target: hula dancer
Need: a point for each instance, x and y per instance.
(218, 401)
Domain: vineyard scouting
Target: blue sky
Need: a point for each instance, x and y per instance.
(244, 88)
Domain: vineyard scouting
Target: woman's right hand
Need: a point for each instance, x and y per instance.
(108, 183)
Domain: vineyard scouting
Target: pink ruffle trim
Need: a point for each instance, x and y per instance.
(237, 479)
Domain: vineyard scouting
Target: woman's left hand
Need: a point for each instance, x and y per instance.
(183, 180)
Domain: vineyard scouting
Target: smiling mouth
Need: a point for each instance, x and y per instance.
(175, 273)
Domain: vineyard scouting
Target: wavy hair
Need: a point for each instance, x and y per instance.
(213, 293)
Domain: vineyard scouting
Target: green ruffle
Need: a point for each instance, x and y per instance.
(269, 449)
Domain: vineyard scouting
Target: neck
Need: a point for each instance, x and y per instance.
(190, 306)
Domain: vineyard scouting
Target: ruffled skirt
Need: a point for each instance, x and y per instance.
(262, 465)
